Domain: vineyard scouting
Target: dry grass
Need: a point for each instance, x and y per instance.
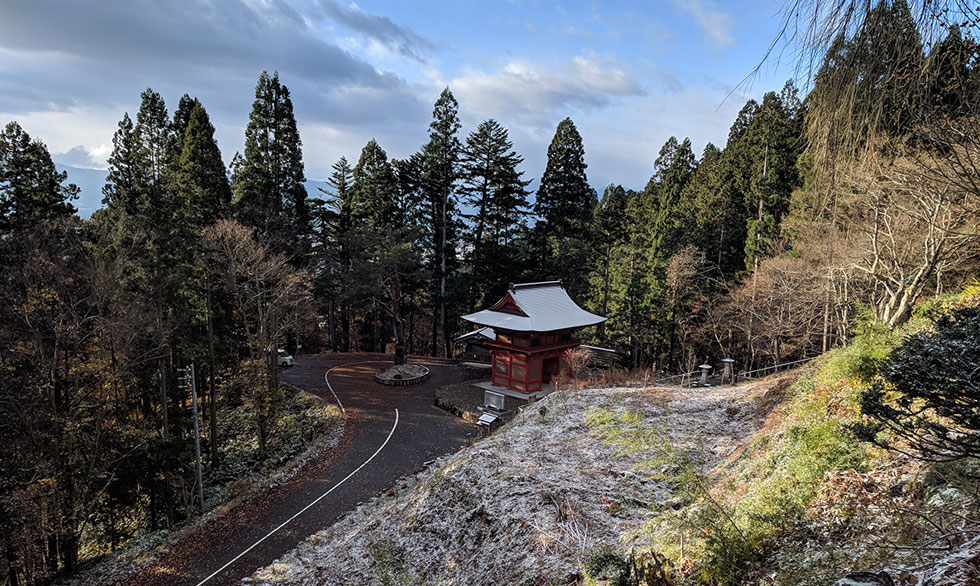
(531, 502)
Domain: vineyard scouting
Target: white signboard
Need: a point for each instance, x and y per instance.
(493, 400)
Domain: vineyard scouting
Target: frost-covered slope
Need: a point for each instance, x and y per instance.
(529, 503)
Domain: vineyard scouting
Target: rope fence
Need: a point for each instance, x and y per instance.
(743, 375)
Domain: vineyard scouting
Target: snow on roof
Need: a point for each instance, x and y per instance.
(540, 307)
(487, 333)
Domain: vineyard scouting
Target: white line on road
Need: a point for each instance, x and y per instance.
(304, 509)
(326, 379)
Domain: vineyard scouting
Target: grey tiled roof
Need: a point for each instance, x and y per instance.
(547, 307)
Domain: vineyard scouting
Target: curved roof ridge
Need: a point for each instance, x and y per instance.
(547, 306)
(514, 287)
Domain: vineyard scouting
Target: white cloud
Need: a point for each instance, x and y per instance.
(580, 32)
(77, 136)
(375, 49)
(379, 29)
(715, 22)
(532, 93)
(609, 81)
(84, 157)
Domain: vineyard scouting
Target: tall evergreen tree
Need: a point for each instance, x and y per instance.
(332, 222)
(123, 181)
(31, 188)
(141, 217)
(658, 235)
(419, 286)
(636, 299)
(609, 231)
(950, 84)
(564, 204)
(496, 192)
(178, 126)
(341, 182)
(564, 200)
(201, 178)
(440, 173)
(153, 134)
(774, 143)
(742, 122)
(715, 207)
(672, 171)
(202, 197)
(374, 191)
(869, 84)
(140, 164)
(380, 243)
(269, 190)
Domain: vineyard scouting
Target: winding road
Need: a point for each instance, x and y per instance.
(389, 432)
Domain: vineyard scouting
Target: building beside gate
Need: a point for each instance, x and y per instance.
(534, 324)
(474, 345)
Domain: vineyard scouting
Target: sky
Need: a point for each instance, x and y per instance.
(629, 74)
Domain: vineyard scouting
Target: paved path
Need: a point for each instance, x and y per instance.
(421, 434)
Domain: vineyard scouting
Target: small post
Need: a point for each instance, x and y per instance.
(729, 372)
(197, 436)
(704, 374)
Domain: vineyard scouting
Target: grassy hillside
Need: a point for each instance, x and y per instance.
(762, 483)
(534, 502)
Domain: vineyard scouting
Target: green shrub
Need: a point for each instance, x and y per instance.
(390, 567)
(611, 566)
(861, 359)
(782, 472)
(929, 392)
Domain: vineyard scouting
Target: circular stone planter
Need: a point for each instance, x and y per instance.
(388, 377)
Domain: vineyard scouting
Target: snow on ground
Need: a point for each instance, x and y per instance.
(957, 567)
(530, 502)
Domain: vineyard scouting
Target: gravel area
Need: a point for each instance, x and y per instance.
(464, 400)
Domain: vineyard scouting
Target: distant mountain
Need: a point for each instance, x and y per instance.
(91, 181)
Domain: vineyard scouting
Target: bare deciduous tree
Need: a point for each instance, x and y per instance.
(776, 315)
(912, 217)
(268, 296)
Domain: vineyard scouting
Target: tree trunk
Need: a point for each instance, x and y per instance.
(168, 498)
(260, 431)
(826, 320)
(12, 579)
(398, 325)
(68, 544)
(442, 280)
(345, 333)
(435, 328)
(164, 400)
(162, 365)
(264, 404)
(332, 325)
(601, 330)
(212, 392)
(153, 505)
(411, 329)
(52, 554)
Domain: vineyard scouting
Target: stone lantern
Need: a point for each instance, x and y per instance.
(729, 372)
(704, 374)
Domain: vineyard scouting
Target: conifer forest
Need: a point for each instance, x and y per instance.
(844, 198)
